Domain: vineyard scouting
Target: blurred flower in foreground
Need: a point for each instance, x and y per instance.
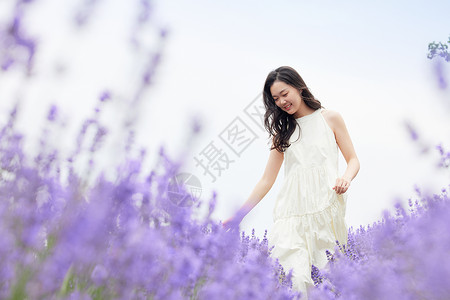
(119, 238)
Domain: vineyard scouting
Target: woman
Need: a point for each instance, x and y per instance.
(309, 213)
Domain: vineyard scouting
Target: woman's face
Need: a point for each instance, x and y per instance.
(286, 96)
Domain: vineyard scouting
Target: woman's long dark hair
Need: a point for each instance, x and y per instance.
(277, 122)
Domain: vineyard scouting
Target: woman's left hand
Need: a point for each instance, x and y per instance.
(342, 185)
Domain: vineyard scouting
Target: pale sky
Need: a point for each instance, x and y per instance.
(365, 60)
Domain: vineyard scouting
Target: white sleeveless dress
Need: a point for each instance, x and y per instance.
(309, 216)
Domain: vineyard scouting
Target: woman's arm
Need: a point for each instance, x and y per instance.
(261, 189)
(348, 151)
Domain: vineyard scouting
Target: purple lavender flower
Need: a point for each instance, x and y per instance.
(106, 95)
(14, 38)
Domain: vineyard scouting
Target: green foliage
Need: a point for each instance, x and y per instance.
(439, 49)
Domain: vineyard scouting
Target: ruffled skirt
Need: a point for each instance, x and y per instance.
(308, 219)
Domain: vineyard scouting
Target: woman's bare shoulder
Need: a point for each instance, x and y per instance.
(332, 117)
(329, 112)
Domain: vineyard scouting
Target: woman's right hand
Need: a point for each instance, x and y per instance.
(236, 219)
(227, 223)
(230, 223)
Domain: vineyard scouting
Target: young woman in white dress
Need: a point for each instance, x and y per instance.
(309, 212)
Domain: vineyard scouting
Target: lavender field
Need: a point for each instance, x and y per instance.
(72, 230)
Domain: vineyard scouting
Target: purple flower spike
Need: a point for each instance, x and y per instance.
(99, 275)
(105, 96)
(52, 113)
(412, 131)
